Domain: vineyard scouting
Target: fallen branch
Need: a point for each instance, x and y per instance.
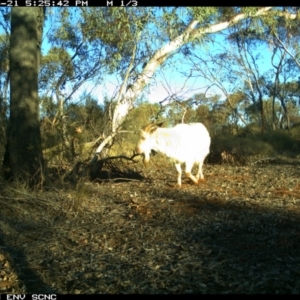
(120, 156)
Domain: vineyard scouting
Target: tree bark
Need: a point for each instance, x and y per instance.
(24, 159)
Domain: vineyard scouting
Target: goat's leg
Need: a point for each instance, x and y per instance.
(178, 168)
(200, 174)
(188, 171)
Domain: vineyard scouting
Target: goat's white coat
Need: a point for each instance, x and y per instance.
(184, 143)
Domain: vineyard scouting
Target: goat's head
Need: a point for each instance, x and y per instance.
(146, 141)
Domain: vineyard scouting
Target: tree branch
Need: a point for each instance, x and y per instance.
(287, 51)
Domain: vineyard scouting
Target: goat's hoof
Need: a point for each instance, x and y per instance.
(201, 180)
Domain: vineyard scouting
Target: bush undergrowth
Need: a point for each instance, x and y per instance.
(244, 148)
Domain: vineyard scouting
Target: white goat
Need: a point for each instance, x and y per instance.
(184, 143)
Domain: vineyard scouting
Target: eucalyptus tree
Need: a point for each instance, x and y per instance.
(71, 61)
(23, 158)
(177, 28)
(277, 36)
(86, 45)
(236, 65)
(285, 85)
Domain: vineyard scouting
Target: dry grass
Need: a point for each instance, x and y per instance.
(236, 232)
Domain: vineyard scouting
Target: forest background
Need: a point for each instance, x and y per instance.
(103, 73)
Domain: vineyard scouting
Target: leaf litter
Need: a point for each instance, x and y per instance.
(236, 232)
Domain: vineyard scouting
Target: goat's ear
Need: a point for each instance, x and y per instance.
(160, 123)
(152, 128)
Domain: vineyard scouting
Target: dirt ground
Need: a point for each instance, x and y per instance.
(236, 232)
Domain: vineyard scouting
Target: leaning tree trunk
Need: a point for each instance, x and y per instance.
(23, 159)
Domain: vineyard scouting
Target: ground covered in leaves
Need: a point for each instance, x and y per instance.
(236, 232)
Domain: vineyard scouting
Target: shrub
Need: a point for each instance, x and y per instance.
(238, 150)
